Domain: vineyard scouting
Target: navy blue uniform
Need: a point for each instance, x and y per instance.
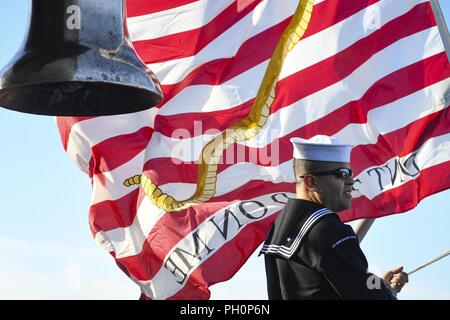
(311, 254)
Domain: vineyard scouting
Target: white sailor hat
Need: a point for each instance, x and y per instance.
(321, 148)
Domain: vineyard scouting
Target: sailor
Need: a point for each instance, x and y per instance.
(309, 252)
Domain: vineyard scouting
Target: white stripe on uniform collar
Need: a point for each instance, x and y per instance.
(288, 251)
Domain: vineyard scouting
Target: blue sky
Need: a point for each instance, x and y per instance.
(47, 250)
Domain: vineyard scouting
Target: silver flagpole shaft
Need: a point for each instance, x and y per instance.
(362, 228)
(430, 262)
(440, 21)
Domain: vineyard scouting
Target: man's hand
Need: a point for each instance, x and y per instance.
(396, 279)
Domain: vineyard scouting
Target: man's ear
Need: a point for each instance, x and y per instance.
(310, 183)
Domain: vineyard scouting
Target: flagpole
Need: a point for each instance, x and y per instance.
(363, 227)
(429, 262)
(442, 27)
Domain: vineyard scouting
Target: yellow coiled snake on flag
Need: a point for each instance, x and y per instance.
(243, 130)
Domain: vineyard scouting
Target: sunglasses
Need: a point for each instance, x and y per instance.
(342, 173)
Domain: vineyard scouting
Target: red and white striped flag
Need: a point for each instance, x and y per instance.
(215, 155)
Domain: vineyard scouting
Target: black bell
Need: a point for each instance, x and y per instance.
(77, 60)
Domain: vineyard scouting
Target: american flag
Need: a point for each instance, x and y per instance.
(184, 193)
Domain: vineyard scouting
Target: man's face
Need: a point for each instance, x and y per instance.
(335, 192)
